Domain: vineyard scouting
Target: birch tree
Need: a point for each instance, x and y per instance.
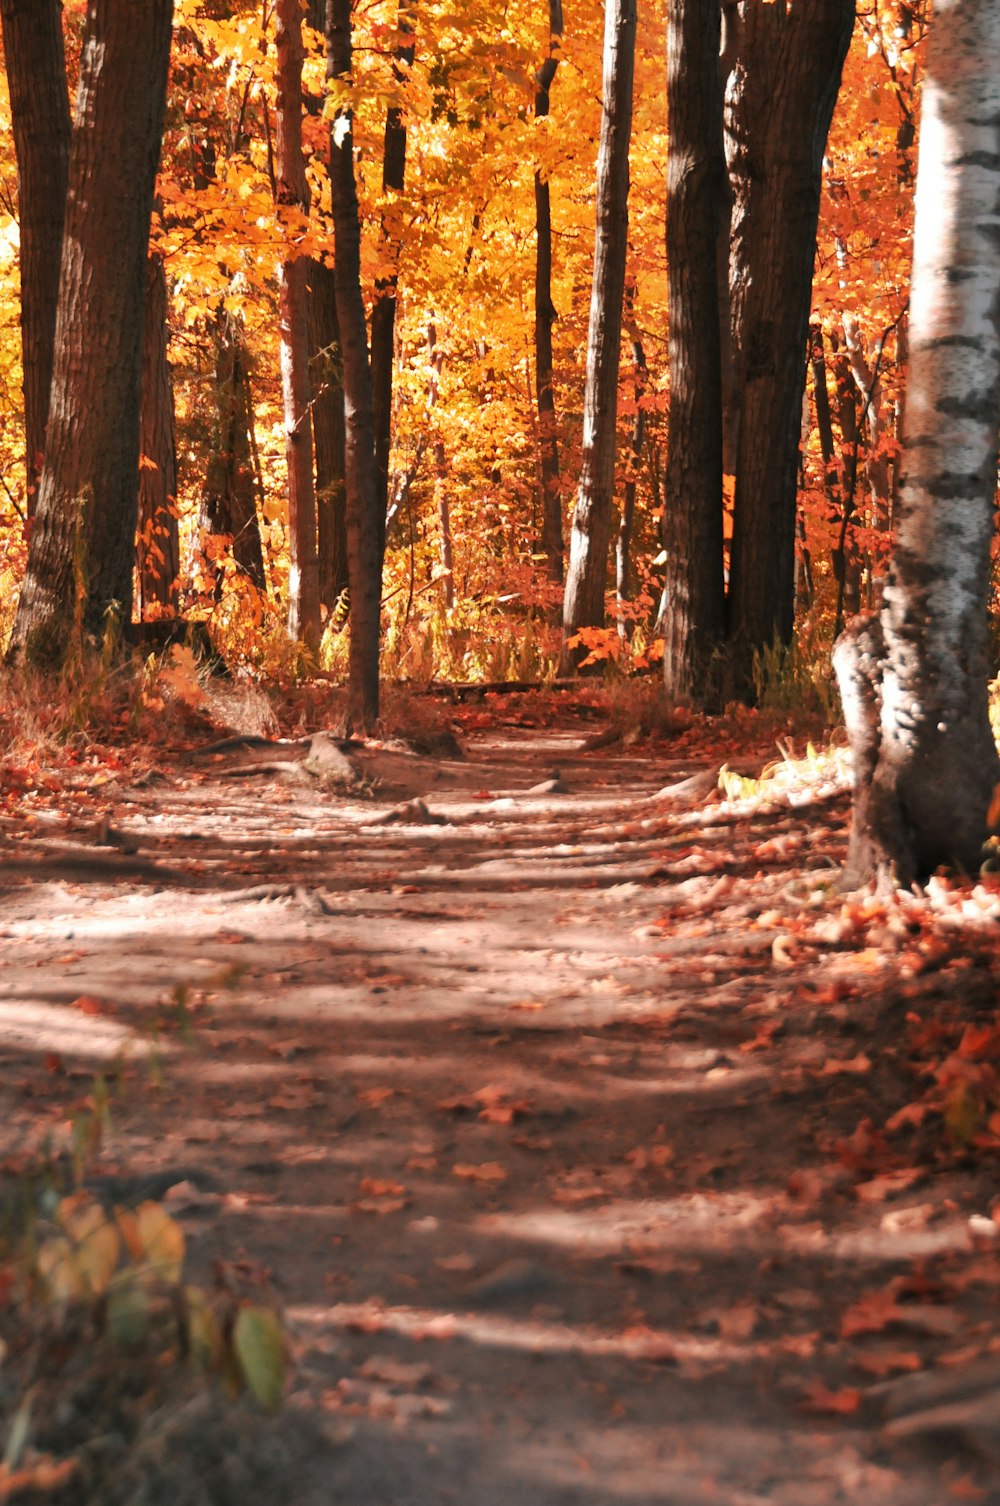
(914, 679)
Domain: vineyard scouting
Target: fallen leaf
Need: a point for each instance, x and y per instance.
(89, 1004)
(374, 1187)
(819, 1398)
(870, 1314)
(486, 1171)
(882, 1362)
(835, 1065)
(877, 1189)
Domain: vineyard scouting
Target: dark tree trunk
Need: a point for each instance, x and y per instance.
(779, 102)
(39, 107)
(692, 620)
(293, 190)
(623, 544)
(158, 558)
(914, 680)
(82, 550)
(545, 317)
(364, 526)
(326, 379)
(387, 285)
(583, 602)
(228, 505)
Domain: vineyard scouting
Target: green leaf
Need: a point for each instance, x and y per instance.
(260, 1348)
(128, 1315)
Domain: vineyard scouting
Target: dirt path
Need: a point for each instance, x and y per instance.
(562, 1119)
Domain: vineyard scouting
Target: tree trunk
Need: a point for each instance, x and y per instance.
(779, 102)
(623, 544)
(228, 505)
(583, 602)
(364, 526)
(83, 546)
(157, 541)
(387, 285)
(446, 553)
(914, 681)
(39, 107)
(545, 317)
(293, 190)
(692, 619)
(326, 381)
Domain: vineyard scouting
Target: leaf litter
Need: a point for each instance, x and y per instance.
(707, 1128)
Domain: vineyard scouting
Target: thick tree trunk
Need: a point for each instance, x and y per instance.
(157, 539)
(364, 526)
(228, 505)
(692, 619)
(387, 285)
(293, 190)
(545, 317)
(779, 102)
(39, 107)
(583, 602)
(914, 682)
(82, 550)
(326, 380)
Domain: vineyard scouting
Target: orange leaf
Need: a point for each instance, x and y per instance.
(818, 1398)
(486, 1171)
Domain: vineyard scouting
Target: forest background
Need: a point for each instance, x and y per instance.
(470, 589)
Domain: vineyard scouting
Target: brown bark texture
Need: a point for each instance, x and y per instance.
(228, 504)
(586, 576)
(39, 107)
(780, 97)
(364, 527)
(293, 316)
(158, 558)
(82, 550)
(327, 383)
(383, 325)
(692, 618)
(914, 680)
(623, 543)
(545, 317)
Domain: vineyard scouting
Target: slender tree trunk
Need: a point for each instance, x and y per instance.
(364, 525)
(387, 285)
(692, 522)
(779, 102)
(914, 680)
(623, 544)
(82, 550)
(446, 553)
(293, 190)
(583, 602)
(39, 107)
(545, 317)
(326, 380)
(228, 504)
(157, 540)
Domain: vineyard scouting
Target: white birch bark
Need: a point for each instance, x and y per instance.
(936, 763)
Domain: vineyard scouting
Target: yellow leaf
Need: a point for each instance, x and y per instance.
(161, 1241)
(57, 1267)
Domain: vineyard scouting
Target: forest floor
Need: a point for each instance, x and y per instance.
(601, 1153)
